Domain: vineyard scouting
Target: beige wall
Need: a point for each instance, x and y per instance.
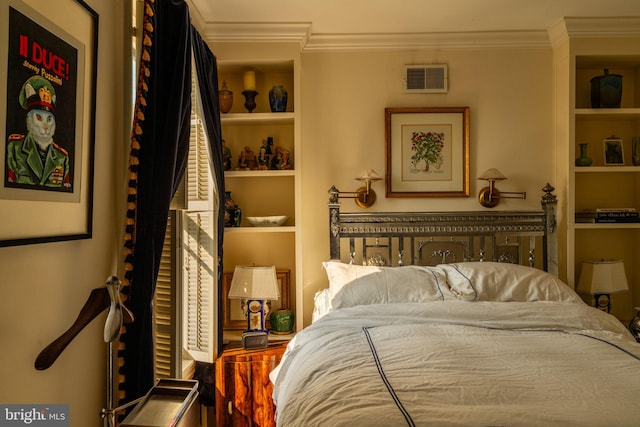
(344, 95)
(44, 286)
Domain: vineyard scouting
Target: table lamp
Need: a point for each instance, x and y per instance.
(256, 285)
(602, 278)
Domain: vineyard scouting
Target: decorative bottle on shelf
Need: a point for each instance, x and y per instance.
(584, 160)
(278, 99)
(232, 212)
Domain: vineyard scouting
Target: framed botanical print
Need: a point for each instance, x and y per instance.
(427, 152)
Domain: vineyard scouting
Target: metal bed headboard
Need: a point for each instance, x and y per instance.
(429, 238)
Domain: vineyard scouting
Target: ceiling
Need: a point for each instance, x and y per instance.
(362, 17)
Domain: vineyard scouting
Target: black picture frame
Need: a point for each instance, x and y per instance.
(41, 43)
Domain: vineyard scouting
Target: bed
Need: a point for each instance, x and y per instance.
(454, 319)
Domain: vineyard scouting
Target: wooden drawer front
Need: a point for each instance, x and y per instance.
(243, 388)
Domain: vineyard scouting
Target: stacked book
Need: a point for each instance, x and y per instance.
(608, 215)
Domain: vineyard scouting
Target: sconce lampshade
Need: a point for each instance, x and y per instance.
(492, 174)
(603, 277)
(369, 175)
(258, 283)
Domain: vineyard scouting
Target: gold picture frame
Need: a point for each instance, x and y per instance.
(233, 316)
(427, 152)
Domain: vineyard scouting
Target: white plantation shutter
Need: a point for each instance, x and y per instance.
(198, 279)
(199, 244)
(165, 308)
(198, 175)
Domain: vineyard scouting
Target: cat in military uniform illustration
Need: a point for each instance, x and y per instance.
(34, 158)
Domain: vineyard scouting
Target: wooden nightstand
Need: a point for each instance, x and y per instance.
(243, 389)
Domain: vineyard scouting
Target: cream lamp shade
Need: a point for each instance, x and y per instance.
(603, 277)
(492, 175)
(258, 283)
(369, 175)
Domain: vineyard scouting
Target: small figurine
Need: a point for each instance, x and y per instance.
(263, 159)
(243, 163)
(247, 160)
(276, 160)
(267, 144)
(226, 156)
(250, 158)
(287, 163)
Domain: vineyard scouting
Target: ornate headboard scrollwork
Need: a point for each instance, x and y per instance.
(426, 238)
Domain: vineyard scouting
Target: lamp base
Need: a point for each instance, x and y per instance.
(602, 302)
(253, 339)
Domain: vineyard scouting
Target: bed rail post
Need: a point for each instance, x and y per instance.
(550, 245)
(334, 224)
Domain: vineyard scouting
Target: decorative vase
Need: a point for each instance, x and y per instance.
(250, 99)
(226, 98)
(281, 321)
(584, 160)
(278, 99)
(420, 165)
(232, 212)
(635, 150)
(606, 90)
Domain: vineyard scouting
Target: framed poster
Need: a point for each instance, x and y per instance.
(427, 152)
(47, 116)
(234, 318)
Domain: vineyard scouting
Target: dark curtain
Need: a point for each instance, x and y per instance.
(159, 150)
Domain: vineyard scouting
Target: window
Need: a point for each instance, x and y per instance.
(186, 291)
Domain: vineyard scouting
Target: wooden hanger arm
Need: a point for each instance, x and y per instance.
(98, 301)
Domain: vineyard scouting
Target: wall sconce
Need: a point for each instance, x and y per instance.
(364, 197)
(490, 196)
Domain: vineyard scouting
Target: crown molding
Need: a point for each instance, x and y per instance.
(466, 40)
(257, 32)
(572, 27)
(300, 32)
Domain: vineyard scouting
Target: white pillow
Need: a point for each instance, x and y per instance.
(321, 304)
(352, 285)
(496, 281)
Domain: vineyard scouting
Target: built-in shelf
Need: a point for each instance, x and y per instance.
(264, 192)
(607, 113)
(256, 118)
(599, 185)
(281, 229)
(258, 173)
(607, 169)
(591, 226)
